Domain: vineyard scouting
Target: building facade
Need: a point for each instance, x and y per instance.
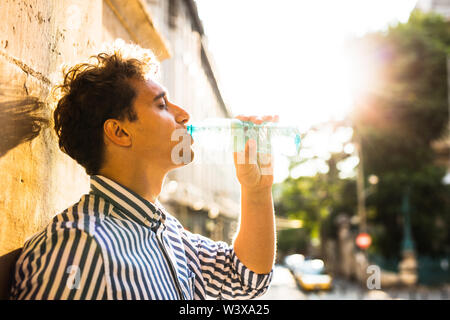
(204, 195)
(438, 6)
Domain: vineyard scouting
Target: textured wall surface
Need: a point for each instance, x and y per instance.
(37, 37)
(37, 180)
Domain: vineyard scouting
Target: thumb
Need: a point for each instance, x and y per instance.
(251, 156)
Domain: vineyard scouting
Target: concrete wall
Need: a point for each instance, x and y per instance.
(37, 180)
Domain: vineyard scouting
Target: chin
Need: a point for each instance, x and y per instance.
(192, 158)
(192, 155)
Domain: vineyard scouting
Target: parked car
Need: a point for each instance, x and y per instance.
(294, 260)
(312, 275)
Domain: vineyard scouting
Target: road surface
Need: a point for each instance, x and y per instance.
(284, 287)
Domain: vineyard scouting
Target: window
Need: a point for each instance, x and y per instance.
(173, 13)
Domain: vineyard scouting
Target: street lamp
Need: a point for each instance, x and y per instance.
(407, 243)
(373, 179)
(446, 179)
(360, 187)
(408, 265)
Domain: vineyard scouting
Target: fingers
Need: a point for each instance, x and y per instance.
(242, 117)
(248, 156)
(251, 152)
(275, 118)
(251, 156)
(267, 168)
(256, 119)
(265, 162)
(259, 119)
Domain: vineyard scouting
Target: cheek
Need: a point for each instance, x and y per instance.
(158, 139)
(156, 136)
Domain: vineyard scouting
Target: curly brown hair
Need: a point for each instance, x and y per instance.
(93, 93)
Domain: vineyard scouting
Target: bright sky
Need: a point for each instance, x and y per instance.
(286, 57)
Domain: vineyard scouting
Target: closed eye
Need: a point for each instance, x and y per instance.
(164, 105)
(163, 97)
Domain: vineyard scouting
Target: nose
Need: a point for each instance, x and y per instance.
(181, 115)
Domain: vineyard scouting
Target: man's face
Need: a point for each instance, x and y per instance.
(157, 120)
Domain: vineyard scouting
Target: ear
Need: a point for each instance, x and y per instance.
(116, 133)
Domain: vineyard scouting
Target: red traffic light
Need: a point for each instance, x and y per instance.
(363, 240)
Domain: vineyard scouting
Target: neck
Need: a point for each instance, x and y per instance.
(145, 182)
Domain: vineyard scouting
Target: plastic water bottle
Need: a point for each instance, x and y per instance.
(224, 134)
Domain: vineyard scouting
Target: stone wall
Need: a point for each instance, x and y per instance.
(37, 180)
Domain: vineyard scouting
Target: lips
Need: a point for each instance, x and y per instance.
(185, 133)
(192, 138)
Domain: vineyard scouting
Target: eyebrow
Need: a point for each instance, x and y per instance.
(159, 96)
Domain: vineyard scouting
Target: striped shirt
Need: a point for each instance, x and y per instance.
(113, 244)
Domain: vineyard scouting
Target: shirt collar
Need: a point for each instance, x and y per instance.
(130, 203)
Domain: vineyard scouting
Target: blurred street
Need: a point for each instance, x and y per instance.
(284, 287)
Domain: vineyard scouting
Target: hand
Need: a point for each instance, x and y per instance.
(256, 171)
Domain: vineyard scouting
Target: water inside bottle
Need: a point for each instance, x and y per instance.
(216, 138)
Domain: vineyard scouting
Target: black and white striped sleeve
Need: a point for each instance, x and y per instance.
(225, 275)
(60, 264)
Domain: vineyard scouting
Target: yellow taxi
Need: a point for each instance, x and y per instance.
(311, 275)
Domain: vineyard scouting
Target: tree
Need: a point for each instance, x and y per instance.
(315, 200)
(400, 111)
(397, 117)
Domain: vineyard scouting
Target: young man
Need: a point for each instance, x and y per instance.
(118, 242)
